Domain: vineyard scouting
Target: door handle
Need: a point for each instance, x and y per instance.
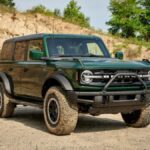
(26, 69)
(10, 69)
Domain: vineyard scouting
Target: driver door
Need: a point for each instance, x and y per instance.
(34, 71)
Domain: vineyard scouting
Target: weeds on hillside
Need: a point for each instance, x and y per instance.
(5, 9)
(41, 10)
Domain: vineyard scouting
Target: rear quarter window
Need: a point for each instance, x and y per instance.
(20, 50)
(7, 51)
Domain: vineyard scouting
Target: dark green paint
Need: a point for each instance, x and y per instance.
(119, 55)
(28, 77)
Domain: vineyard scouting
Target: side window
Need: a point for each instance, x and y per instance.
(93, 48)
(35, 45)
(7, 51)
(20, 50)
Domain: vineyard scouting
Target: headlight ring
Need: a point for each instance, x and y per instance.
(85, 77)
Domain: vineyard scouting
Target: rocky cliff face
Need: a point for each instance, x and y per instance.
(12, 25)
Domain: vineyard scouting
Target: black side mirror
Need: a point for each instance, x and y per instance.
(119, 55)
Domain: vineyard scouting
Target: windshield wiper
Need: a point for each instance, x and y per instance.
(71, 56)
(93, 55)
(88, 55)
(65, 56)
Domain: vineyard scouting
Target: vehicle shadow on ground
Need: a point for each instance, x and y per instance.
(94, 124)
(33, 117)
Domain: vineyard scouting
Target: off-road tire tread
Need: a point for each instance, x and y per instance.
(8, 107)
(143, 120)
(68, 115)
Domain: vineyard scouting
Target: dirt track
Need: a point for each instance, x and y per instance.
(27, 131)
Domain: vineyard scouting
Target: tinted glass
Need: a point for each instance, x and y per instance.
(20, 50)
(7, 51)
(76, 47)
(35, 45)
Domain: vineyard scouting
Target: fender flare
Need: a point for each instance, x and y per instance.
(62, 81)
(6, 82)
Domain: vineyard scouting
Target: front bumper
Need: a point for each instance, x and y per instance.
(115, 101)
(106, 102)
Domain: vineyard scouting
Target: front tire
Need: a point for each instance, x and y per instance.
(6, 107)
(59, 117)
(138, 118)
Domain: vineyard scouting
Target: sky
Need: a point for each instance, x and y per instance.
(96, 10)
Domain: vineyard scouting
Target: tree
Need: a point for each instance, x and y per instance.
(73, 14)
(57, 12)
(144, 19)
(8, 3)
(124, 19)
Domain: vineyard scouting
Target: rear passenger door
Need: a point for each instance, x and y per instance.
(18, 66)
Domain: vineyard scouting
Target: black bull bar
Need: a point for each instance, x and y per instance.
(105, 99)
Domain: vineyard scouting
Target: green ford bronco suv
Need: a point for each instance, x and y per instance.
(70, 74)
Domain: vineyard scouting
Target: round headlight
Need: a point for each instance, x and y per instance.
(85, 76)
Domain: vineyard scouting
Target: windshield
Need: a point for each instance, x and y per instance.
(76, 47)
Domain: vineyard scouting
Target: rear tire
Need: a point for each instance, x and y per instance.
(138, 118)
(6, 107)
(59, 117)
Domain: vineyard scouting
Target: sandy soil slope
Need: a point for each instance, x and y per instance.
(26, 131)
(18, 24)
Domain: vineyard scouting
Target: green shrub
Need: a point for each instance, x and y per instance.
(41, 10)
(5, 9)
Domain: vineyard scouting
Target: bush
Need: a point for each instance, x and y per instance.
(41, 10)
(5, 9)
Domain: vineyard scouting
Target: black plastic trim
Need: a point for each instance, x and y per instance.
(72, 99)
(112, 93)
(122, 74)
(63, 81)
(6, 83)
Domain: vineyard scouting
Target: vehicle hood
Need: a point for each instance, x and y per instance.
(107, 63)
(101, 63)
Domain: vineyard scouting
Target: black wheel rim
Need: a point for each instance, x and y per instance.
(53, 111)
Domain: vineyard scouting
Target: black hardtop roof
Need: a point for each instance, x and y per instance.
(41, 35)
(26, 37)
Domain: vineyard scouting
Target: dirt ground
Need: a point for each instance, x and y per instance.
(26, 131)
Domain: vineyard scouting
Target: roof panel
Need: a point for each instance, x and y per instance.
(41, 35)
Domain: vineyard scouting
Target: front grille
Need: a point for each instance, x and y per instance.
(105, 76)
